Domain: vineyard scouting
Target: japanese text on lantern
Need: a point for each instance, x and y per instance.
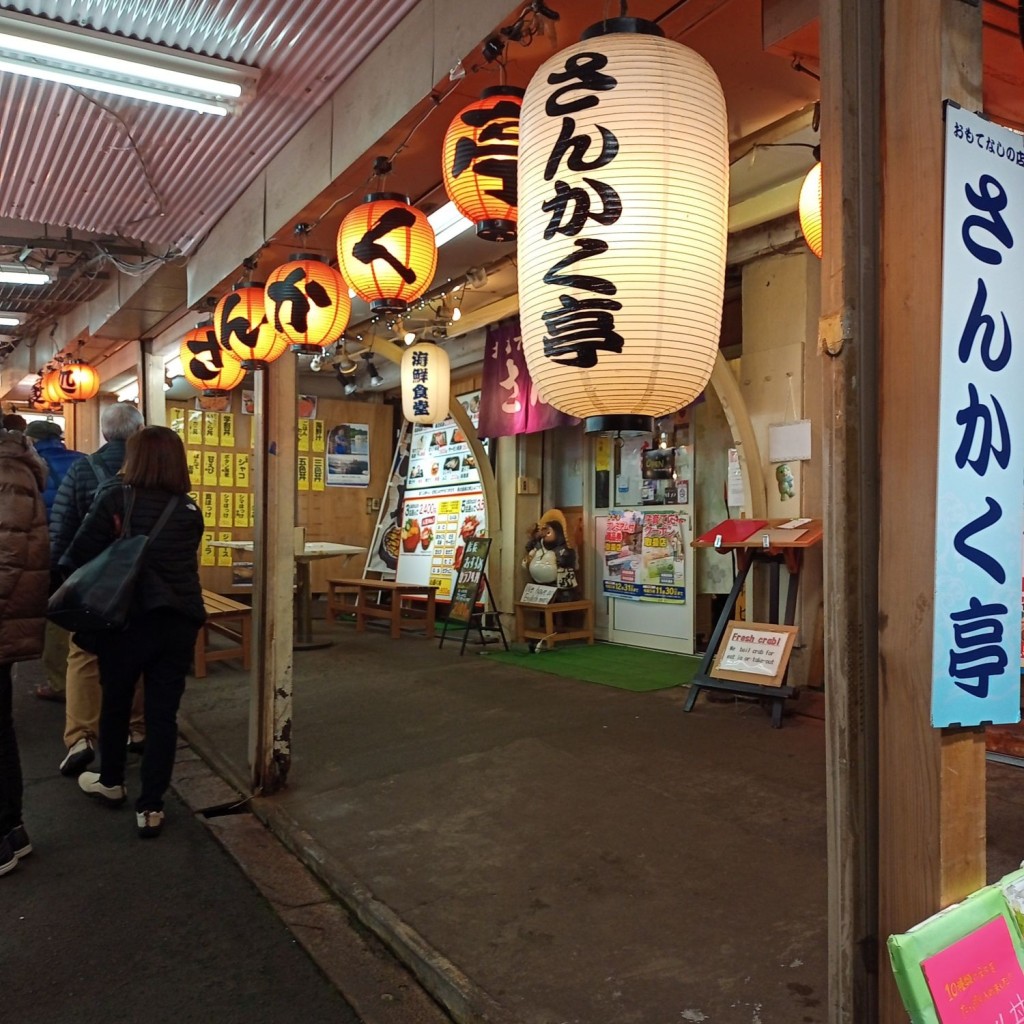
(420, 380)
(580, 327)
(979, 492)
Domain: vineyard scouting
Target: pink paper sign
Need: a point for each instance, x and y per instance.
(978, 979)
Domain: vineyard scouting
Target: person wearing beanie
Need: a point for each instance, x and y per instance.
(47, 437)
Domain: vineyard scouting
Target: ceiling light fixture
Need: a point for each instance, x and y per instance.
(46, 50)
(448, 223)
(6, 320)
(350, 388)
(375, 378)
(15, 273)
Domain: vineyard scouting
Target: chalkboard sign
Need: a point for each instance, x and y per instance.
(469, 581)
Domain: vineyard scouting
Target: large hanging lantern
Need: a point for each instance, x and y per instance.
(206, 366)
(810, 209)
(481, 156)
(242, 329)
(386, 251)
(77, 381)
(623, 201)
(307, 301)
(50, 387)
(426, 383)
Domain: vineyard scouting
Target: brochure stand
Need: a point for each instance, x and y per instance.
(771, 542)
(471, 596)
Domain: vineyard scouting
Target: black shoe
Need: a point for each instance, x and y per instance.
(79, 757)
(149, 823)
(19, 841)
(137, 746)
(8, 862)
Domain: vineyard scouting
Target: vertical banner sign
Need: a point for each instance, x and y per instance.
(980, 488)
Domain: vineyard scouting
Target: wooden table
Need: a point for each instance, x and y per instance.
(399, 613)
(311, 552)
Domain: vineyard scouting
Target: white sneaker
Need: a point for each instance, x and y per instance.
(78, 758)
(149, 823)
(112, 796)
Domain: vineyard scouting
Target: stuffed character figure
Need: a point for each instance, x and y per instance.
(549, 559)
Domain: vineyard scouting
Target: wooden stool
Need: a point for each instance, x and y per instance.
(400, 613)
(342, 598)
(226, 618)
(549, 613)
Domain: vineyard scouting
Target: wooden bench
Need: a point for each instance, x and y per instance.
(224, 617)
(401, 610)
(547, 614)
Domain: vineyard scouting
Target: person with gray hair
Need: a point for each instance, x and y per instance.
(74, 497)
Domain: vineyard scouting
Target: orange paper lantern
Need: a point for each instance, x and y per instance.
(307, 301)
(50, 388)
(810, 209)
(241, 326)
(77, 382)
(386, 251)
(481, 161)
(206, 366)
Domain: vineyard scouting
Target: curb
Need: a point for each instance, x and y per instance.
(465, 1001)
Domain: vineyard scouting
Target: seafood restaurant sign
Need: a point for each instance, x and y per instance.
(980, 485)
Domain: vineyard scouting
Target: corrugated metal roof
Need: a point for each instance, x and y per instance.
(162, 176)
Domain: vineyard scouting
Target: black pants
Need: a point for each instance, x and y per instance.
(157, 646)
(10, 763)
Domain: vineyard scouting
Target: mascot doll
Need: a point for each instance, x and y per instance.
(549, 559)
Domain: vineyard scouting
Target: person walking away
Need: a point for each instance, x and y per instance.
(24, 583)
(74, 497)
(48, 439)
(160, 637)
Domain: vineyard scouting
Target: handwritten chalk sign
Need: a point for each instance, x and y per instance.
(754, 652)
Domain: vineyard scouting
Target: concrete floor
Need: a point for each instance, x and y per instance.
(548, 851)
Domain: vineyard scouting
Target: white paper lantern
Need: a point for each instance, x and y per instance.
(426, 383)
(623, 216)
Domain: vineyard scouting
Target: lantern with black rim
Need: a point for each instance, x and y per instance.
(622, 254)
(206, 366)
(481, 161)
(387, 252)
(242, 329)
(307, 301)
(426, 383)
(77, 381)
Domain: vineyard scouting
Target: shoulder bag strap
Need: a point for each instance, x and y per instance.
(129, 503)
(101, 471)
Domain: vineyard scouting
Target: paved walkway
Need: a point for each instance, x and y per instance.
(100, 927)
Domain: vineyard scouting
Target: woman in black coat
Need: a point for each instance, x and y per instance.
(160, 637)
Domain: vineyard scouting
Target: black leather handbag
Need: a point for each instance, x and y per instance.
(99, 595)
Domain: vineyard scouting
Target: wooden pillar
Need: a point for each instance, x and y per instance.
(848, 355)
(270, 706)
(932, 782)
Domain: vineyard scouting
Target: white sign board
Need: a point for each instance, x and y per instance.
(538, 593)
(754, 652)
(979, 497)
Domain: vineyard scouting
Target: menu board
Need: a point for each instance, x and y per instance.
(469, 580)
(443, 507)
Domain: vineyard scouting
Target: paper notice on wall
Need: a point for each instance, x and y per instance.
(735, 497)
(789, 442)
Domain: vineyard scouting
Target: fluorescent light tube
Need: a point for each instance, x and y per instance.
(79, 57)
(17, 274)
(6, 320)
(448, 223)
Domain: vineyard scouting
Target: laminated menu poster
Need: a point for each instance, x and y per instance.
(645, 556)
(443, 507)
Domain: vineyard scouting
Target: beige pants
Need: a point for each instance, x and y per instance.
(55, 656)
(84, 697)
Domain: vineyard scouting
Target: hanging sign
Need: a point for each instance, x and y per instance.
(979, 497)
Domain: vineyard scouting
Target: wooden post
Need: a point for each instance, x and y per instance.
(932, 782)
(848, 342)
(270, 707)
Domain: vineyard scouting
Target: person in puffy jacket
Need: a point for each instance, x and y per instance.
(118, 422)
(24, 585)
(159, 640)
(48, 439)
